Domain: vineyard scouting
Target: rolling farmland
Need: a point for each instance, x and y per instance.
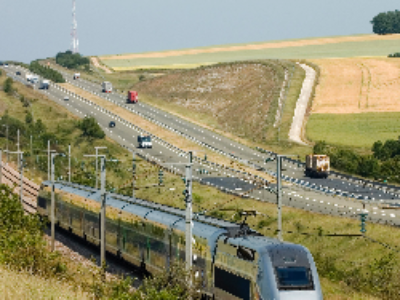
(357, 101)
(343, 46)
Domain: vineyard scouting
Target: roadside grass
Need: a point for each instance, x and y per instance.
(354, 130)
(343, 49)
(22, 285)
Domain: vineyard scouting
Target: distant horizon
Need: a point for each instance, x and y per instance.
(40, 29)
(244, 43)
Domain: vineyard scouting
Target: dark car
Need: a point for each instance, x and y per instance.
(112, 124)
(18, 73)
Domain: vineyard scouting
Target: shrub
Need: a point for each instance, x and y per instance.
(21, 238)
(8, 86)
(397, 54)
(90, 128)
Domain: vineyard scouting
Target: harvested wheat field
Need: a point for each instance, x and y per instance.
(357, 85)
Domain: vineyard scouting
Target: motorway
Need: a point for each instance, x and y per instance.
(237, 151)
(334, 196)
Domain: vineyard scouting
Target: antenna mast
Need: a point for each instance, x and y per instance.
(74, 32)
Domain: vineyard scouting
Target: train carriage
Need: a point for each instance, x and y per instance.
(233, 262)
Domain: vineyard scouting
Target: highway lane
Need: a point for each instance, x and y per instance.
(244, 154)
(292, 195)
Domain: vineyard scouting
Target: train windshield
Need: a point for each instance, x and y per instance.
(294, 278)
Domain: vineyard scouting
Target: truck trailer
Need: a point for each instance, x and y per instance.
(77, 76)
(317, 166)
(133, 97)
(107, 87)
(44, 84)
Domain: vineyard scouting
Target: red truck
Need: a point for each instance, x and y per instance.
(133, 97)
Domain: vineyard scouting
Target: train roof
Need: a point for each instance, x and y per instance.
(162, 214)
(205, 227)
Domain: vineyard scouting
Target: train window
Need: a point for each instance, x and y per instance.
(294, 278)
(245, 253)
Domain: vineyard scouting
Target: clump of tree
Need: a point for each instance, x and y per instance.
(91, 128)
(8, 86)
(72, 60)
(397, 54)
(386, 22)
(46, 72)
(383, 163)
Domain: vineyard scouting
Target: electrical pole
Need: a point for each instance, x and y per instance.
(69, 163)
(18, 149)
(22, 176)
(103, 210)
(31, 155)
(189, 234)
(133, 173)
(97, 165)
(53, 201)
(278, 194)
(1, 165)
(48, 160)
(103, 206)
(8, 156)
(21, 169)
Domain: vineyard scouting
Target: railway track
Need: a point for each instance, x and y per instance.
(30, 192)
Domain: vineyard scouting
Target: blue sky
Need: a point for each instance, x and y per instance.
(37, 29)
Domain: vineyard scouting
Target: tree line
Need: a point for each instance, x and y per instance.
(46, 72)
(386, 22)
(72, 60)
(383, 164)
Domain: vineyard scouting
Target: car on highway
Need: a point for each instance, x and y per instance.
(66, 98)
(18, 73)
(111, 124)
(5, 65)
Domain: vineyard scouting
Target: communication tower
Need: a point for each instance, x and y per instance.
(74, 31)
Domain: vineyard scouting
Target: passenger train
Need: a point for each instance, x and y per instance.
(233, 262)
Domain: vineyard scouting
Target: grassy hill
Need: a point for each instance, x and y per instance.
(238, 98)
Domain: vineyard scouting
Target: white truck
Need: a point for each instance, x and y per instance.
(77, 76)
(144, 141)
(317, 166)
(107, 87)
(34, 79)
(28, 77)
(44, 84)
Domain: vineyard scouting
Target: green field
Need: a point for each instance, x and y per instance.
(343, 49)
(354, 130)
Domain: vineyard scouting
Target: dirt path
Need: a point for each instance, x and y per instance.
(297, 43)
(96, 63)
(301, 106)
